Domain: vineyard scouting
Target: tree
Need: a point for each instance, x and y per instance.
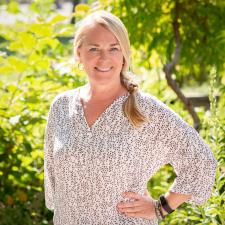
(188, 37)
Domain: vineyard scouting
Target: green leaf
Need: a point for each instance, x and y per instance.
(58, 18)
(45, 42)
(11, 87)
(18, 64)
(25, 43)
(41, 30)
(82, 8)
(3, 157)
(6, 70)
(13, 7)
(26, 161)
(195, 218)
(27, 146)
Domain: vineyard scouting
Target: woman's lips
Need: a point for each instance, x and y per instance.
(103, 69)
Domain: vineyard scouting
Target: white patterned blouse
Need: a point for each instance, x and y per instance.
(87, 168)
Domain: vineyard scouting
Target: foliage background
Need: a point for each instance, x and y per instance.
(37, 63)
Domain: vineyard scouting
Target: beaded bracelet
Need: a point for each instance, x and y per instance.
(158, 211)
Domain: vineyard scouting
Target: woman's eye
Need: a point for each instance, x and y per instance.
(93, 49)
(114, 49)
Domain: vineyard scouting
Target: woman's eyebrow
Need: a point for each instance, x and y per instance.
(92, 44)
(114, 44)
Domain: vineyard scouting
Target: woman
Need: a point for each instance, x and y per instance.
(104, 141)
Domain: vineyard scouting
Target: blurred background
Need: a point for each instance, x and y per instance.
(178, 55)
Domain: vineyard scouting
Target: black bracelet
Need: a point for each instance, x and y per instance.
(165, 204)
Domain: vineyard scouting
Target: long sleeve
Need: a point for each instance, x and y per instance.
(49, 180)
(191, 158)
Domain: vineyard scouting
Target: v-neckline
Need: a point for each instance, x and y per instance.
(101, 116)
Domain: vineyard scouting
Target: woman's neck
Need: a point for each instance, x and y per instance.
(91, 92)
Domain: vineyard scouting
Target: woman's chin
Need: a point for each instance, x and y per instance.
(103, 77)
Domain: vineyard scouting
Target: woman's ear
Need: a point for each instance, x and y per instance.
(77, 55)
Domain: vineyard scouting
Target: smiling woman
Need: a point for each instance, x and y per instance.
(106, 139)
(102, 45)
(101, 55)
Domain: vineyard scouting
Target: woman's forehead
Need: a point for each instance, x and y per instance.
(98, 35)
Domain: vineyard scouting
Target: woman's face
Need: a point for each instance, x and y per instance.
(100, 53)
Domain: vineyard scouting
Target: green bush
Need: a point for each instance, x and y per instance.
(36, 63)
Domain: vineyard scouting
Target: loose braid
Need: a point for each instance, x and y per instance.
(130, 107)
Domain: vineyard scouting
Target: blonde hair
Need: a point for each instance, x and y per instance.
(116, 26)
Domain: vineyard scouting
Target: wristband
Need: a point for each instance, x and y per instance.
(165, 204)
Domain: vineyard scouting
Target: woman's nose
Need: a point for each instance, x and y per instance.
(103, 55)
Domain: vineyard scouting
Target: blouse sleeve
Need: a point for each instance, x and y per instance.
(49, 179)
(191, 158)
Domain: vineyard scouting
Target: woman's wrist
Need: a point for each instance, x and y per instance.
(162, 208)
(165, 205)
(176, 199)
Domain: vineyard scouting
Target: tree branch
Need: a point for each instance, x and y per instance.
(169, 68)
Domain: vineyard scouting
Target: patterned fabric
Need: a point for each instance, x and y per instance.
(87, 168)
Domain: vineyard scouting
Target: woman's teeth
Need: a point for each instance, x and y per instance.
(103, 69)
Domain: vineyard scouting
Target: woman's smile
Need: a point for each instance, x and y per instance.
(101, 69)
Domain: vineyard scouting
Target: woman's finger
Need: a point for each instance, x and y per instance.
(131, 209)
(129, 204)
(132, 195)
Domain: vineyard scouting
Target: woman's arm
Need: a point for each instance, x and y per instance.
(49, 177)
(174, 200)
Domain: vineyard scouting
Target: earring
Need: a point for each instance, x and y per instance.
(80, 66)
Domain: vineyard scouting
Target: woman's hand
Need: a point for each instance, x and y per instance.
(141, 207)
